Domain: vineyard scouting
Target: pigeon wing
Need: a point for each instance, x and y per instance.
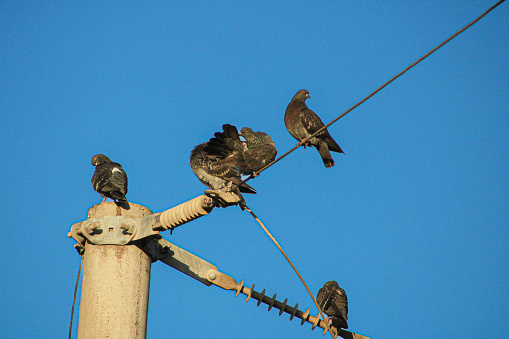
(313, 123)
(119, 177)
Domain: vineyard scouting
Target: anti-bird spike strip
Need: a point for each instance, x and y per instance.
(228, 283)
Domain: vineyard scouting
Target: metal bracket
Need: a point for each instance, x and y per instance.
(109, 230)
(76, 234)
(185, 262)
(118, 230)
(223, 198)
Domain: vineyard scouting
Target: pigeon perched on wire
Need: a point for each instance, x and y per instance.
(212, 162)
(261, 149)
(302, 122)
(332, 301)
(109, 180)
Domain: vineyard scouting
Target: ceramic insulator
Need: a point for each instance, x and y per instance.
(184, 213)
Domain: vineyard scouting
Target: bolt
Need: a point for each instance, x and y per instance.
(207, 202)
(125, 227)
(90, 228)
(212, 275)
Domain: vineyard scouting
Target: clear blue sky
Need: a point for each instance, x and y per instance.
(412, 221)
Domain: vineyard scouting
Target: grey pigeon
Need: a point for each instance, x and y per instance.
(226, 146)
(212, 162)
(109, 180)
(246, 157)
(215, 173)
(301, 122)
(332, 301)
(261, 149)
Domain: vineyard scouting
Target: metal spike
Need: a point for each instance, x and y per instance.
(262, 296)
(249, 292)
(239, 288)
(304, 317)
(273, 300)
(295, 309)
(282, 309)
(317, 320)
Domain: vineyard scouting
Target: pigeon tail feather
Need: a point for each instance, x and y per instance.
(333, 145)
(339, 322)
(323, 149)
(117, 196)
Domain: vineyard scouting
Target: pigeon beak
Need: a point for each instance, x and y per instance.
(308, 96)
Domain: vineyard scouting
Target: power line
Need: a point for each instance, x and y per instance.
(293, 266)
(303, 142)
(74, 298)
(256, 173)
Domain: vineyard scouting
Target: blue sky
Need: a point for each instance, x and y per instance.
(412, 221)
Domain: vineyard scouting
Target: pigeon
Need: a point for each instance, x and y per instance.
(246, 157)
(261, 149)
(332, 301)
(227, 147)
(109, 180)
(301, 122)
(214, 165)
(214, 172)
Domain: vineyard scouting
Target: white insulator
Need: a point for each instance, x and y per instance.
(183, 213)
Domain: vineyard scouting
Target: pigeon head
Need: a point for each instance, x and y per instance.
(245, 130)
(331, 283)
(99, 159)
(301, 95)
(256, 139)
(249, 135)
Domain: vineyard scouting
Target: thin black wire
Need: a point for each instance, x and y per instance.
(294, 268)
(332, 122)
(74, 299)
(303, 142)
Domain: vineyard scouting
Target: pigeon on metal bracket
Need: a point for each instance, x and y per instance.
(332, 301)
(110, 180)
(214, 172)
(302, 122)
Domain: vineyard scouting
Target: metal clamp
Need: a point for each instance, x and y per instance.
(109, 230)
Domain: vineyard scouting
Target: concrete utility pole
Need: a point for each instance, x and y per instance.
(116, 281)
(118, 247)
